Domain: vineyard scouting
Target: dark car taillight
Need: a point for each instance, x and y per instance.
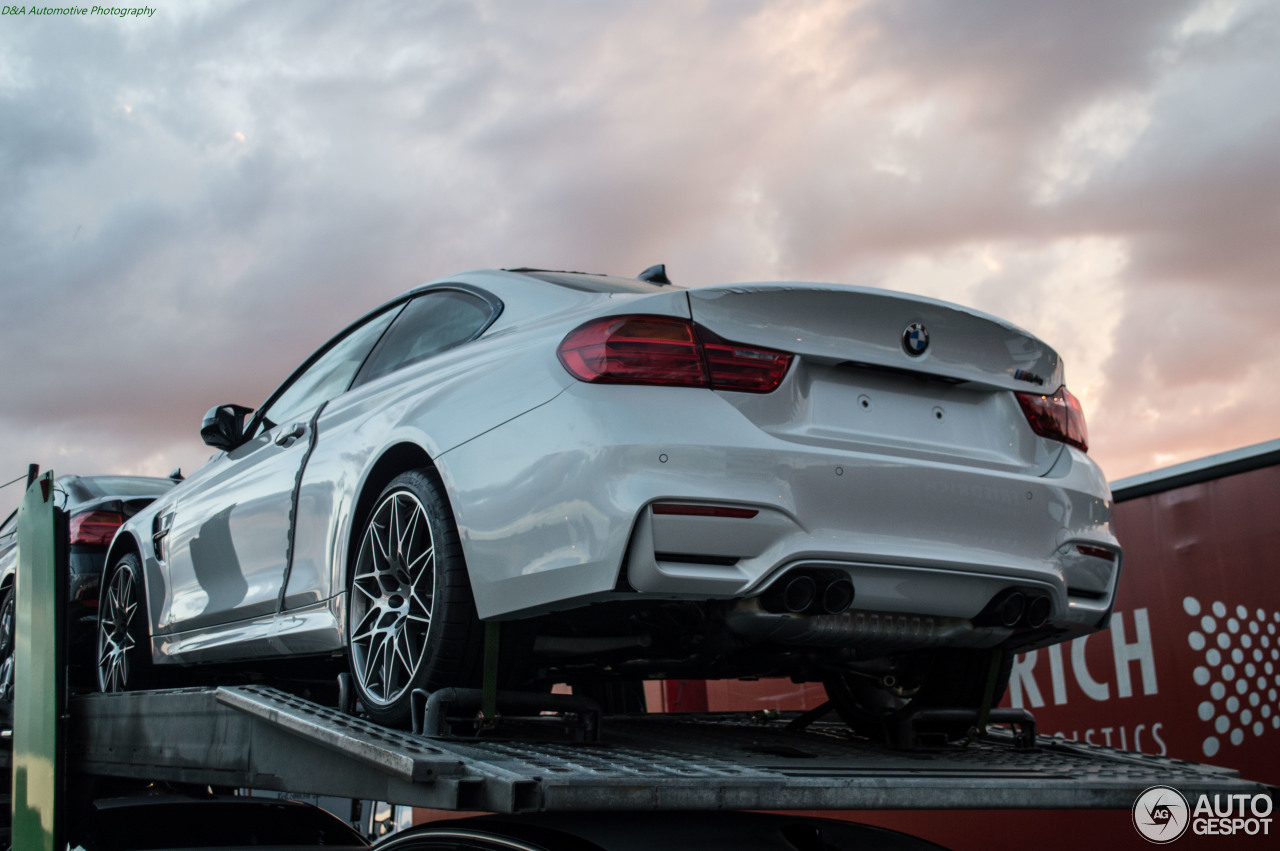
(95, 528)
(1057, 417)
(669, 351)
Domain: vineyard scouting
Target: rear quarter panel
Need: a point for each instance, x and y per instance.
(438, 405)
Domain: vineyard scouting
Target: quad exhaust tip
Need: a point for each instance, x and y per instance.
(798, 594)
(809, 594)
(837, 596)
(1038, 612)
(1013, 608)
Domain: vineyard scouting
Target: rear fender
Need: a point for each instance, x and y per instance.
(123, 544)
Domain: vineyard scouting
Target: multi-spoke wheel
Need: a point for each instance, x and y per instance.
(871, 703)
(410, 621)
(7, 615)
(123, 659)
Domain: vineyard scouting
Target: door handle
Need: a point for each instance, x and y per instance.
(295, 431)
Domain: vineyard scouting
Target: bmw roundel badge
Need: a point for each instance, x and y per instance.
(915, 340)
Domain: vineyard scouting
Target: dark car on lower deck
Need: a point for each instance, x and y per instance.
(97, 505)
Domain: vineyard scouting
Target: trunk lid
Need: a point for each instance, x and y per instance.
(855, 385)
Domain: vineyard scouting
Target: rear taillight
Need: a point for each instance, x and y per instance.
(746, 368)
(635, 350)
(1057, 417)
(95, 528)
(668, 351)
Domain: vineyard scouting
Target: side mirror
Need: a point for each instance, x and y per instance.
(223, 426)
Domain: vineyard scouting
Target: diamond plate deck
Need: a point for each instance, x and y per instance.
(264, 738)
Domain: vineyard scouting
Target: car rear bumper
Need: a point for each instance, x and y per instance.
(914, 536)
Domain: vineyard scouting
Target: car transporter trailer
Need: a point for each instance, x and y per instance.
(571, 759)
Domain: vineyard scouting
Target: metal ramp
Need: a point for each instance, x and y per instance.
(263, 738)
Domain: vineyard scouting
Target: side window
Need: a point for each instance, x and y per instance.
(330, 375)
(430, 324)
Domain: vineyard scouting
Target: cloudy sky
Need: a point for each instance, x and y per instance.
(191, 202)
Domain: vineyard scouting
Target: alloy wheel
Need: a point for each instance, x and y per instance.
(115, 630)
(392, 593)
(7, 615)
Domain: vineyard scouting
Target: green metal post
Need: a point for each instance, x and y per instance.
(39, 680)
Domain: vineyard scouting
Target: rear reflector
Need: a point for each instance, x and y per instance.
(1057, 417)
(704, 510)
(95, 528)
(1095, 552)
(667, 351)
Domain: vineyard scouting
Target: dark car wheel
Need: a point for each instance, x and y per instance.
(7, 617)
(124, 660)
(411, 621)
(871, 705)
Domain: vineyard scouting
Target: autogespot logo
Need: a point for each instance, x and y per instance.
(1161, 814)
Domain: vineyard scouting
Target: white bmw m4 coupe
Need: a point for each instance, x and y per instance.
(880, 492)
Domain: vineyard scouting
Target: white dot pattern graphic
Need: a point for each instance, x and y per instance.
(1239, 670)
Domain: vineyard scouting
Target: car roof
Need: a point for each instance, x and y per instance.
(592, 282)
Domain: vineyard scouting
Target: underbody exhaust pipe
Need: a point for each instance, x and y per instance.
(873, 634)
(553, 645)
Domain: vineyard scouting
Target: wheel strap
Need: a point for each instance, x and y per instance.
(489, 685)
(995, 659)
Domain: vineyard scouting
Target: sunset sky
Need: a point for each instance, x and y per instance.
(190, 203)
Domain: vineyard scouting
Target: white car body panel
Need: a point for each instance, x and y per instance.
(919, 478)
(569, 551)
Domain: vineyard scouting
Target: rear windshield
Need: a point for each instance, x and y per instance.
(593, 283)
(84, 488)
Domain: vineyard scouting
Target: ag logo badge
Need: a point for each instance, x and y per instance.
(1161, 814)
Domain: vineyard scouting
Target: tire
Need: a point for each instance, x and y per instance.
(944, 679)
(411, 620)
(123, 649)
